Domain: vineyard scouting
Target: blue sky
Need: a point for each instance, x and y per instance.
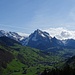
(29, 15)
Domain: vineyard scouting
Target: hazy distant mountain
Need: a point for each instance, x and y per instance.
(70, 43)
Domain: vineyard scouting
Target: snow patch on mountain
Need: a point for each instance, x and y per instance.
(43, 35)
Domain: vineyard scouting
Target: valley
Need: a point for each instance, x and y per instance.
(32, 57)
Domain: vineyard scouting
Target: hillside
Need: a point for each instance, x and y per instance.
(5, 57)
(25, 60)
(21, 60)
(8, 41)
(30, 61)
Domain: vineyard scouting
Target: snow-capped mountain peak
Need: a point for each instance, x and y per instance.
(36, 36)
(39, 33)
(12, 35)
(39, 39)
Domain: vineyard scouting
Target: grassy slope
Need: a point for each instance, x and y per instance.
(31, 61)
(5, 57)
(28, 60)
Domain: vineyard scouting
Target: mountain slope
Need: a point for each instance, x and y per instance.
(70, 43)
(71, 62)
(5, 56)
(8, 41)
(32, 60)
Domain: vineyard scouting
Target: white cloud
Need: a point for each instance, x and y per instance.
(61, 33)
(23, 34)
(65, 34)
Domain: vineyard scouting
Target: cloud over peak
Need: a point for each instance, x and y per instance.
(61, 33)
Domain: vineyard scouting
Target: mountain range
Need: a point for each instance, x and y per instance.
(39, 40)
